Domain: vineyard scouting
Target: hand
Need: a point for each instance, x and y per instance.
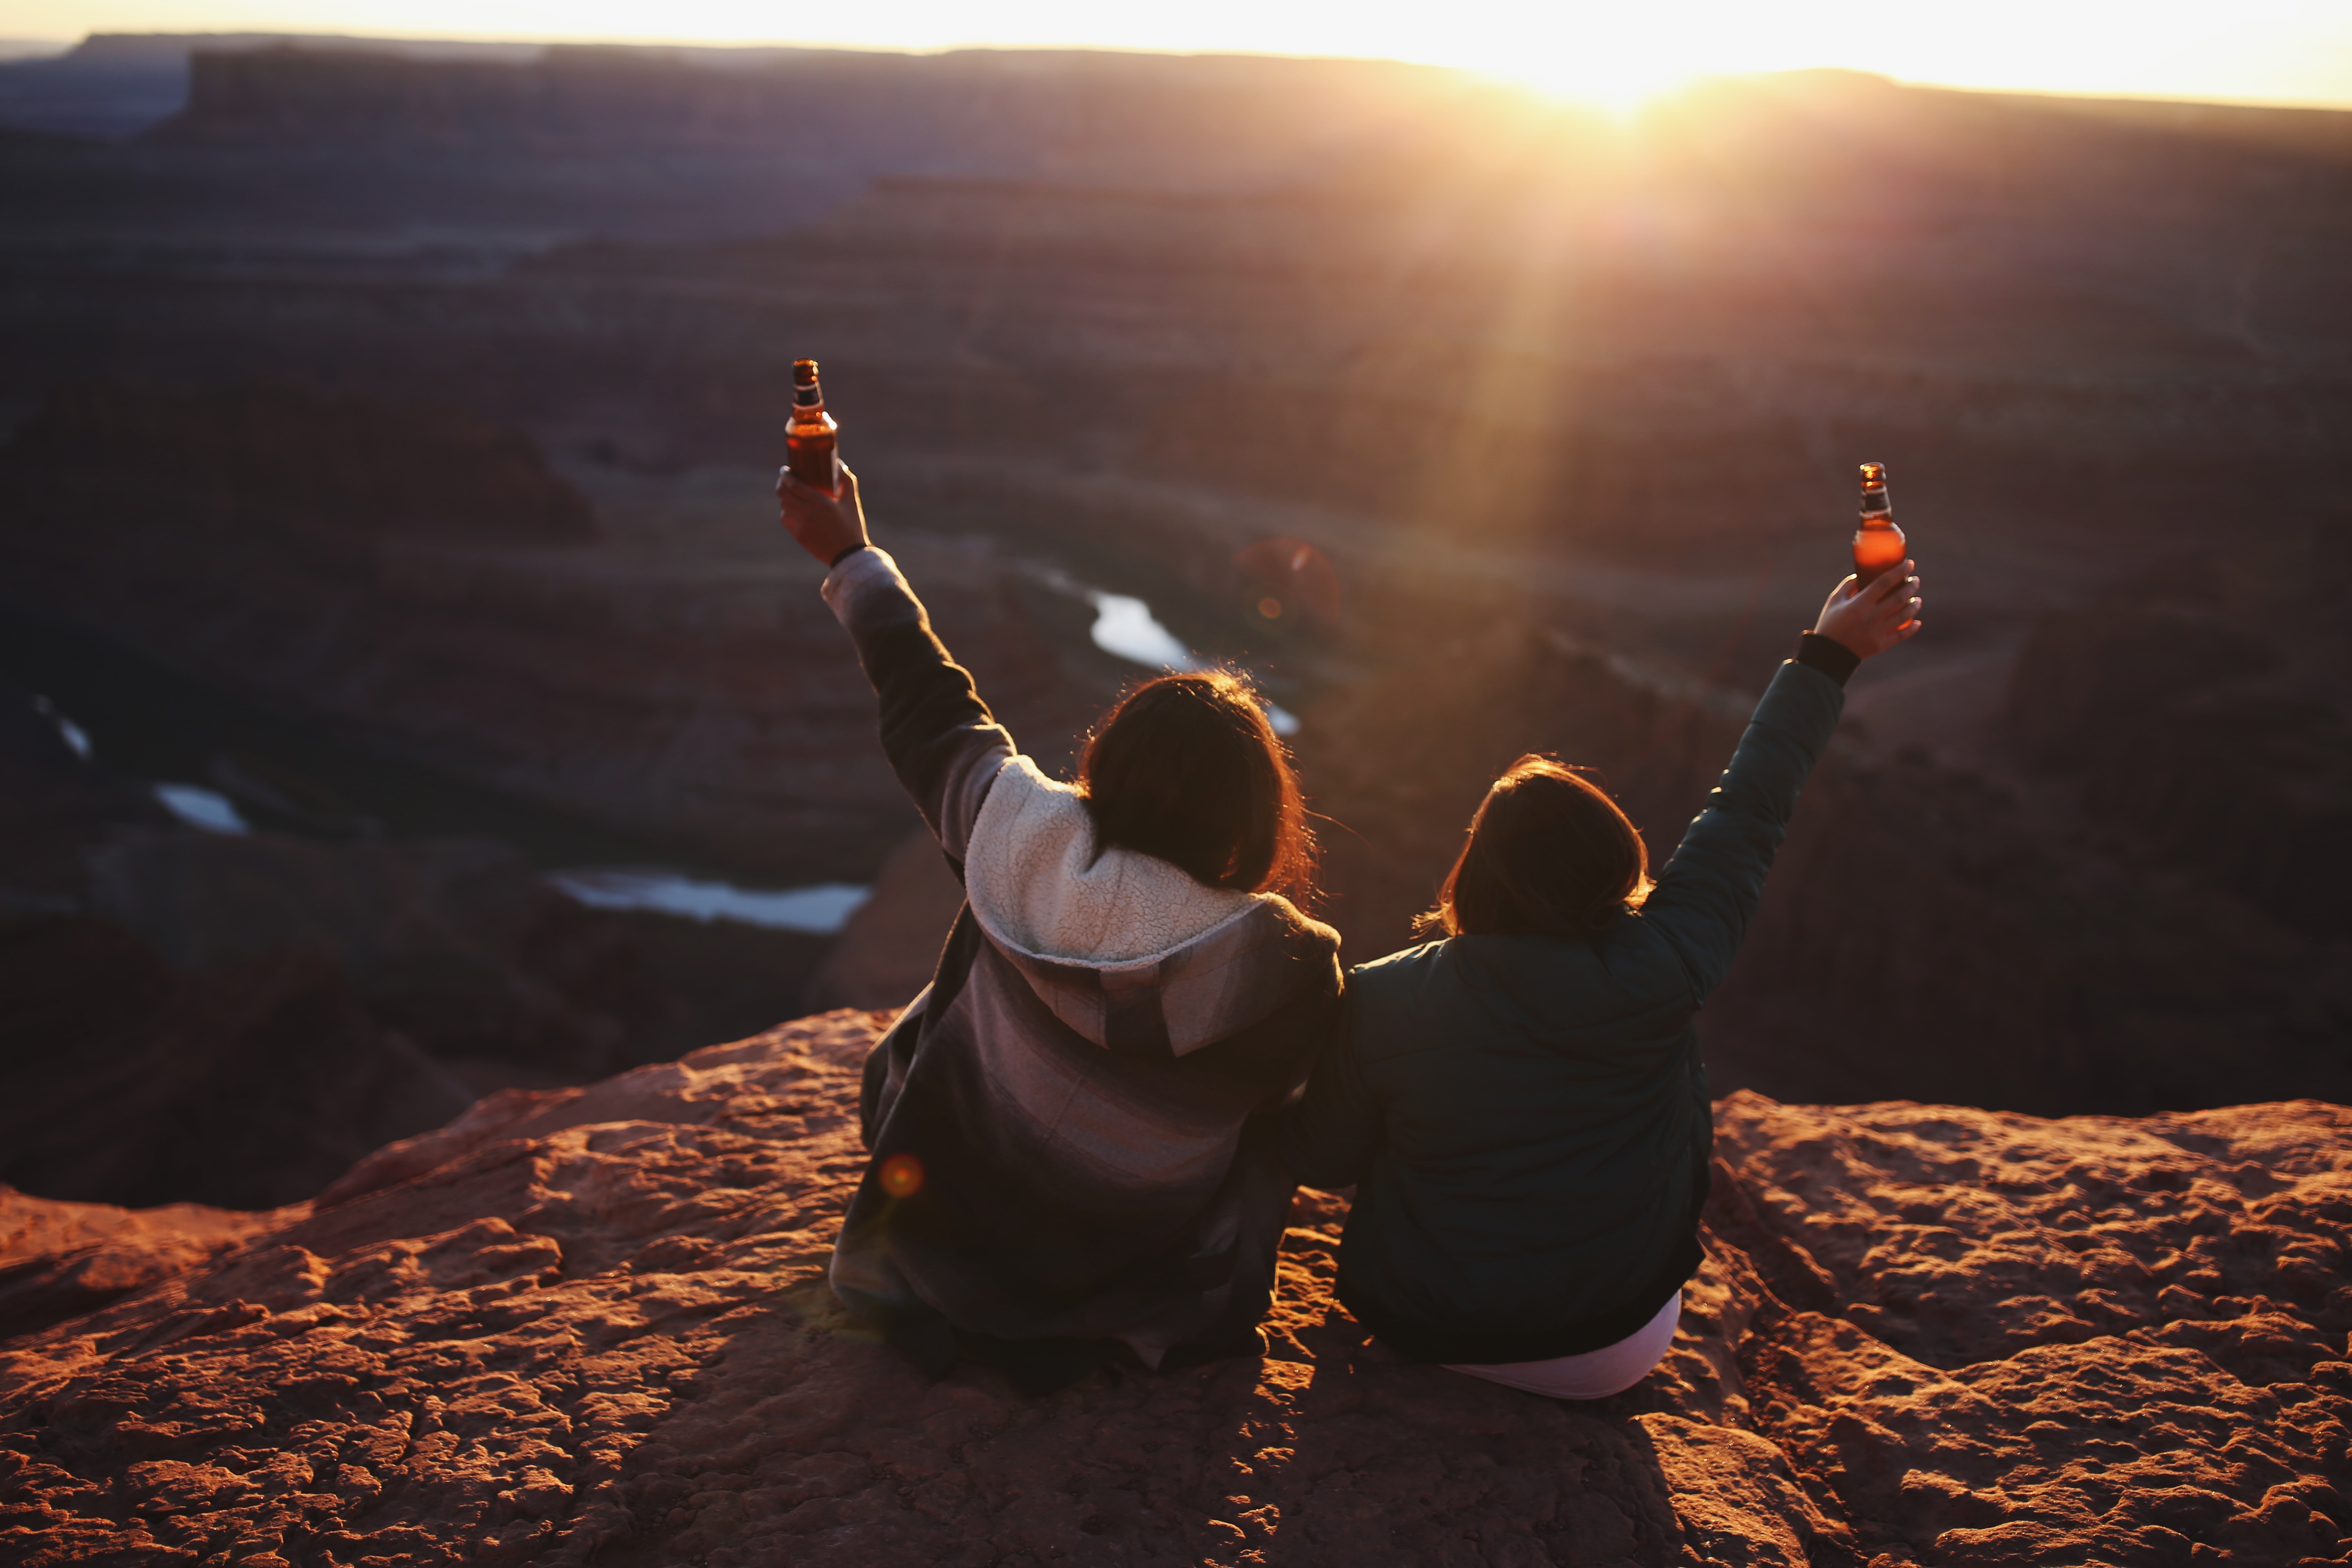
(824, 525)
(1877, 618)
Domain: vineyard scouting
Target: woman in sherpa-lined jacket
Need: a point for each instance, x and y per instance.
(1070, 1130)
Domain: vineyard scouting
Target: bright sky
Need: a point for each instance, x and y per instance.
(1610, 50)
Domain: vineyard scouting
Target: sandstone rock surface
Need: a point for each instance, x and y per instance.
(590, 1325)
(58, 1260)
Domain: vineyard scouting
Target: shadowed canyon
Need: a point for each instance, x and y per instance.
(386, 553)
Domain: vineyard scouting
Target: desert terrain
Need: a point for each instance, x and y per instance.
(589, 1326)
(388, 574)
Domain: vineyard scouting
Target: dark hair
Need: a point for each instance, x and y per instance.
(1548, 853)
(1187, 768)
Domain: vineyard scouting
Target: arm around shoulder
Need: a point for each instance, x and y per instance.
(1330, 1135)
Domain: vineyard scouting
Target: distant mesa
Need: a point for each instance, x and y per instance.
(1190, 121)
(114, 85)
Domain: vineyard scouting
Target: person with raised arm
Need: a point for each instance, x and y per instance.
(1520, 1104)
(1072, 1137)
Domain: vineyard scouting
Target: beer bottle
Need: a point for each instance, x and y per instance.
(1878, 545)
(809, 446)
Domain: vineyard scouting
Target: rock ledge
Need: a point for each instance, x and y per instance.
(590, 1325)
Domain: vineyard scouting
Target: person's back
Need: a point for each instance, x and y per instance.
(1522, 1105)
(1542, 1110)
(1070, 1129)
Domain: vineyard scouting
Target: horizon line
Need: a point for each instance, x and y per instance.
(55, 46)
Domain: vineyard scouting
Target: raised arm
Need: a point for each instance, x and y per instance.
(1709, 890)
(940, 737)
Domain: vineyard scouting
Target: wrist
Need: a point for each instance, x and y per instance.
(846, 550)
(1819, 650)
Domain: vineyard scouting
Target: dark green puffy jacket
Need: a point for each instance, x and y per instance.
(1526, 1118)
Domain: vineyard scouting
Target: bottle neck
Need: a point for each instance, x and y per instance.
(1876, 510)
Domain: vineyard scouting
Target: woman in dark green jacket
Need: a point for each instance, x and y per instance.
(1521, 1105)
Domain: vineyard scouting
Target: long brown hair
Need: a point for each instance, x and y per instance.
(1187, 768)
(1548, 853)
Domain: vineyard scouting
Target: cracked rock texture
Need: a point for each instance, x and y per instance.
(589, 1325)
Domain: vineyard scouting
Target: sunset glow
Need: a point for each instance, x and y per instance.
(2279, 51)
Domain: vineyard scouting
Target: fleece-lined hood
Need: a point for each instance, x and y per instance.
(1038, 886)
(1125, 948)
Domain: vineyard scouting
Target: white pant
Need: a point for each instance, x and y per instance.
(1595, 1374)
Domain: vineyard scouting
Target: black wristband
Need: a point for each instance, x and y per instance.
(1828, 655)
(846, 552)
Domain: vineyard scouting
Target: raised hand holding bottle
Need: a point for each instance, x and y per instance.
(811, 451)
(1878, 544)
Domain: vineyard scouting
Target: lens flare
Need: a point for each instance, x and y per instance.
(901, 1175)
(1288, 580)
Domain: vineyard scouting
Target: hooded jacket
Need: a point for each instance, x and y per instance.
(1070, 1127)
(1527, 1117)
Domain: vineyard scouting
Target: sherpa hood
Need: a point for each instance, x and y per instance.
(1125, 948)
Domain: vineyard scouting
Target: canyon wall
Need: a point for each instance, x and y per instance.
(428, 584)
(1929, 931)
(1198, 120)
(2202, 734)
(431, 403)
(234, 1017)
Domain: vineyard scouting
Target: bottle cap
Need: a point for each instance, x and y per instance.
(803, 372)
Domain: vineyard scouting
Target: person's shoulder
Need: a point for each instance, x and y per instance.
(1405, 1006)
(1642, 956)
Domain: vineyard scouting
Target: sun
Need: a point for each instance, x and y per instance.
(1618, 86)
(1616, 59)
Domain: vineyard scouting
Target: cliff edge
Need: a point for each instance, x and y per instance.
(590, 1325)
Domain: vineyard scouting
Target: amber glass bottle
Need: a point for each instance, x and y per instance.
(1878, 544)
(809, 445)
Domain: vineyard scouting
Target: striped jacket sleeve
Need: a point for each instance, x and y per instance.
(945, 745)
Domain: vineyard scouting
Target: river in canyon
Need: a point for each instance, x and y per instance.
(221, 762)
